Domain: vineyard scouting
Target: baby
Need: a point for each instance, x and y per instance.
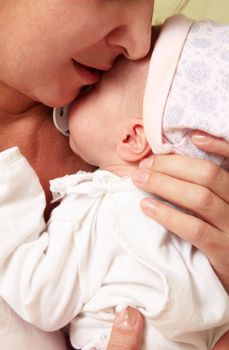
(98, 251)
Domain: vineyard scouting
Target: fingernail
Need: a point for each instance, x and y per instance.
(127, 318)
(149, 204)
(141, 175)
(201, 138)
(146, 163)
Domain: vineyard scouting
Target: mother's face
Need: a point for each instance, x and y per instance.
(47, 45)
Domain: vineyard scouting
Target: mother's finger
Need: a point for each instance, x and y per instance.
(127, 331)
(211, 144)
(190, 196)
(207, 238)
(190, 228)
(193, 170)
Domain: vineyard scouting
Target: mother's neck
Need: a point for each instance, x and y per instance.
(20, 118)
(28, 124)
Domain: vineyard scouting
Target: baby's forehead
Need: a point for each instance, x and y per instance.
(124, 67)
(126, 72)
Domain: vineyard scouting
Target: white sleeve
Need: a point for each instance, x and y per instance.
(38, 266)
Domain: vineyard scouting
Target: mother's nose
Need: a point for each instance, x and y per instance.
(134, 36)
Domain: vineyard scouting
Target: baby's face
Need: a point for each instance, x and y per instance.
(97, 119)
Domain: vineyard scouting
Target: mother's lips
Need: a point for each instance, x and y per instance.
(89, 75)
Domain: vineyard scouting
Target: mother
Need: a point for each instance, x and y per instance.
(50, 49)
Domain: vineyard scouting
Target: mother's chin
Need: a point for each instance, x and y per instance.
(56, 97)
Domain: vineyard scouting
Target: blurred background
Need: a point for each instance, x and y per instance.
(197, 9)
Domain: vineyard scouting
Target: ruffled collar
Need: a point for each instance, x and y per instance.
(89, 183)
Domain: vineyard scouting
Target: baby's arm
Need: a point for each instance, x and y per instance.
(38, 264)
(223, 343)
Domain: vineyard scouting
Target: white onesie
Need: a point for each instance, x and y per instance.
(98, 251)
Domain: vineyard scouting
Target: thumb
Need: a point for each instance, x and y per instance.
(127, 330)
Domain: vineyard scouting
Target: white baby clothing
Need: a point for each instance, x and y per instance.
(188, 87)
(99, 251)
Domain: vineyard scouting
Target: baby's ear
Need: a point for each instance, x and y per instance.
(133, 146)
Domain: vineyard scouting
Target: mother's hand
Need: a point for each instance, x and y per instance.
(127, 330)
(197, 185)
